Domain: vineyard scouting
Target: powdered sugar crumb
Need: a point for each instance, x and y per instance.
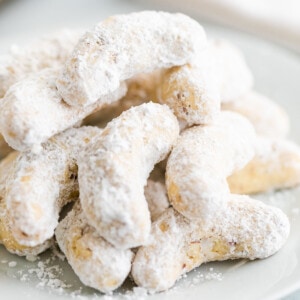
(45, 273)
(12, 264)
(48, 272)
(47, 276)
(208, 276)
(205, 275)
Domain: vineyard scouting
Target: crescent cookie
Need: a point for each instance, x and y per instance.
(123, 46)
(96, 262)
(114, 169)
(6, 236)
(32, 111)
(202, 159)
(248, 229)
(192, 90)
(49, 51)
(40, 184)
(267, 117)
(276, 165)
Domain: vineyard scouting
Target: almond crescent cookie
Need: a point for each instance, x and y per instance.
(96, 262)
(202, 159)
(6, 236)
(192, 91)
(49, 51)
(123, 46)
(247, 229)
(32, 111)
(113, 172)
(40, 184)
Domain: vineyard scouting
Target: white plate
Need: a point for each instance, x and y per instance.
(277, 73)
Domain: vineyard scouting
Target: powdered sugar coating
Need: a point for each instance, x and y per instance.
(113, 172)
(123, 46)
(267, 117)
(40, 184)
(32, 110)
(202, 159)
(49, 51)
(6, 236)
(96, 262)
(235, 77)
(248, 229)
(192, 90)
(276, 165)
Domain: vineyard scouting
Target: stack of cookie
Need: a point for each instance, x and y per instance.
(155, 135)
